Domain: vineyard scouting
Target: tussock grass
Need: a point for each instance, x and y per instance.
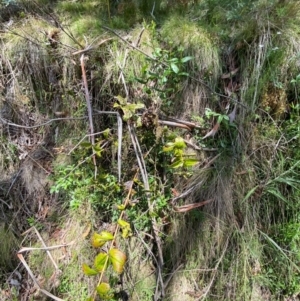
(196, 42)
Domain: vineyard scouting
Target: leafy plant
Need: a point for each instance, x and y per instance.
(163, 72)
(113, 258)
(177, 148)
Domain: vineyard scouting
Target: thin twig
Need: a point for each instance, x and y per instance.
(46, 248)
(9, 206)
(41, 124)
(87, 135)
(89, 108)
(90, 47)
(25, 249)
(21, 258)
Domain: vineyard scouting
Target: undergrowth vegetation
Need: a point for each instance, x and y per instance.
(166, 133)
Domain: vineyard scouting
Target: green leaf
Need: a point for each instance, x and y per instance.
(123, 223)
(249, 193)
(90, 299)
(101, 261)
(122, 101)
(127, 113)
(135, 106)
(126, 229)
(118, 259)
(121, 207)
(174, 68)
(168, 147)
(178, 163)
(141, 81)
(98, 240)
(86, 144)
(186, 59)
(88, 271)
(190, 162)
(179, 143)
(275, 192)
(104, 291)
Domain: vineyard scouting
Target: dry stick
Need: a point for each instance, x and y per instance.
(174, 124)
(89, 108)
(90, 47)
(20, 256)
(25, 249)
(87, 135)
(47, 251)
(155, 227)
(5, 122)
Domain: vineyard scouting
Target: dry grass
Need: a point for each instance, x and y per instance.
(205, 65)
(76, 229)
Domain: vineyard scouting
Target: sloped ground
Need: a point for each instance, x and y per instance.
(227, 228)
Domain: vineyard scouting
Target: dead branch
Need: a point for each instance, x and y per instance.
(89, 108)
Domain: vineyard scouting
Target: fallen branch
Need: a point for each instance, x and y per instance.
(188, 207)
(45, 248)
(89, 108)
(21, 258)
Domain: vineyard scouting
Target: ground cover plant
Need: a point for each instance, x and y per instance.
(149, 150)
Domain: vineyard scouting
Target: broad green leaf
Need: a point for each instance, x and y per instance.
(186, 59)
(104, 291)
(139, 122)
(121, 207)
(122, 223)
(179, 143)
(168, 147)
(173, 60)
(118, 259)
(98, 240)
(101, 261)
(178, 163)
(127, 113)
(126, 229)
(174, 67)
(88, 271)
(190, 162)
(106, 133)
(122, 101)
(90, 299)
(135, 106)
